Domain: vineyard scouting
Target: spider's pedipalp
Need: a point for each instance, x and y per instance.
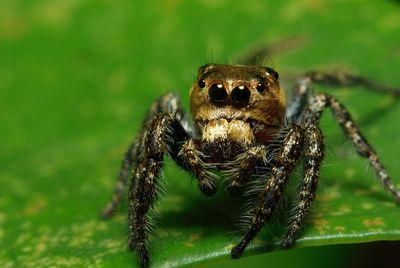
(240, 170)
(193, 162)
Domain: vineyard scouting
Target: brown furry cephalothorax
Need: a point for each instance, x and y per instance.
(243, 128)
(228, 101)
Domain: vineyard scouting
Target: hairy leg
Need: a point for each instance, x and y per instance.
(144, 183)
(127, 163)
(313, 155)
(318, 103)
(304, 86)
(270, 195)
(168, 103)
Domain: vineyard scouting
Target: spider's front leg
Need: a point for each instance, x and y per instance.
(284, 162)
(169, 104)
(163, 131)
(164, 135)
(142, 190)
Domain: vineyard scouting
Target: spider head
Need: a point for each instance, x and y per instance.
(249, 95)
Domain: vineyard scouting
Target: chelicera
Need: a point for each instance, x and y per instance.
(244, 128)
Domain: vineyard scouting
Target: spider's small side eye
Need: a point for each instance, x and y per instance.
(202, 83)
(272, 72)
(261, 87)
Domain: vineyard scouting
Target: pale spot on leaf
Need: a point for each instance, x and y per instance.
(56, 12)
(340, 229)
(27, 249)
(342, 210)
(390, 22)
(329, 195)
(117, 81)
(12, 27)
(349, 173)
(2, 218)
(321, 225)
(373, 222)
(386, 102)
(192, 238)
(35, 206)
(363, 192)
(213, 3)
(367, 206)
(294, 10)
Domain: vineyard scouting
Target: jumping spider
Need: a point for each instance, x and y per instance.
(244, 129)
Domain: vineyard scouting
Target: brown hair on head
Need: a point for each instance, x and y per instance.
(238, 92)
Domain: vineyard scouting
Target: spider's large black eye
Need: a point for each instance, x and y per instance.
(217, 94)
(240, 96)
(272, 72)
(201, 83)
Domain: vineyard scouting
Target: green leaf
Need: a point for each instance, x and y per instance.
(77, 76)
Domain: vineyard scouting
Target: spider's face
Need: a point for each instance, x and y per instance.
(244, 103)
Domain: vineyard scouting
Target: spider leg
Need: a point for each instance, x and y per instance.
(241, 169)
(127, 163)
(163, 121)
(168, 103)
(143, 186)
(313, 155)
(142, 190)
(270, 195)
(304, 87)
(364, 149)
(342, 79)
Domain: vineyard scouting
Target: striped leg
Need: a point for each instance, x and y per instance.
(127, 163)
(143, 188)
(270, 195)
(304, 87)
(364, 149)
(168, 103)
(313, 155)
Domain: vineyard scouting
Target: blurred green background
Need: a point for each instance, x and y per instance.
(76, 77)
